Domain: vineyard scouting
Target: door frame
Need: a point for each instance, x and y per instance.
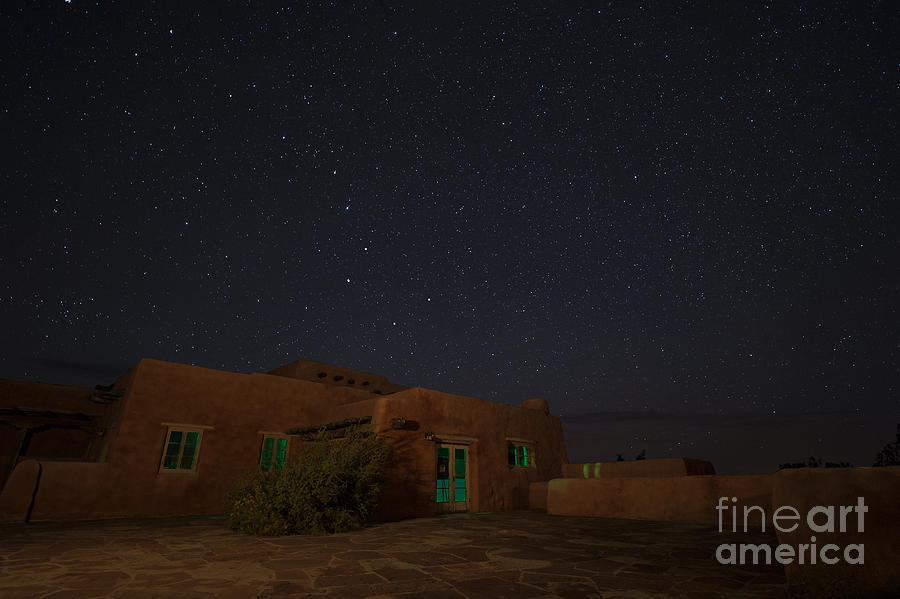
(453, 443)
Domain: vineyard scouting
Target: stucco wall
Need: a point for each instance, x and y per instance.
(674, 499)
(18, 492)
(235, 406)
(537, 495)
(311, 370)
(656, 468)
(64, 436)
(493, 484)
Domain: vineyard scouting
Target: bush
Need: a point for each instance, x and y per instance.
(333, 486)
(890, 455)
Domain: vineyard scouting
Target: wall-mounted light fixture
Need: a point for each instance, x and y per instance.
(429, 436)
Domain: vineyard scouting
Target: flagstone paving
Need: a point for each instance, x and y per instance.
(510, 554)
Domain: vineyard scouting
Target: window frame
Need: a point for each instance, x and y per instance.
(262, 450)
(520, 445)
(185, 429)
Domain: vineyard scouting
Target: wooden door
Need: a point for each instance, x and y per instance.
(452, 478)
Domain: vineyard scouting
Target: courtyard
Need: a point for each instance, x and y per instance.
(490, 555)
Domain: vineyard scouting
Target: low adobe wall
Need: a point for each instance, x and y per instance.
(867, 496)
(45, 490)
(664, 467)
(17, 494)
(672, 499)
(879, 488)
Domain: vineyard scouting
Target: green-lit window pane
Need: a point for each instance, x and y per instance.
(268, 445)
(190, 451)
(443, 490)
(281, 453)
(443, 475)
(511, 454)
(172, 450)
(459, 491)
(459, 470)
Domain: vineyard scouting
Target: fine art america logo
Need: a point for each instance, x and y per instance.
(819, 519)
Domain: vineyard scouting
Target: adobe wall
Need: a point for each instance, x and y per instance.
(662, 467)
(49, 437)
(805, 488)
(16, 498)
(330, 374)
(672, 499)
(493, 484)
(236, 406)
(537, 495)
(113, 417)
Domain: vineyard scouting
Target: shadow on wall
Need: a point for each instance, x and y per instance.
(738, 443)
(410, 455)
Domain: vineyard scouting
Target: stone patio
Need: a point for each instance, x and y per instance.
(510, 554)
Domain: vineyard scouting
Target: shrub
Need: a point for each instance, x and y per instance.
(890, 455)
(333, 486)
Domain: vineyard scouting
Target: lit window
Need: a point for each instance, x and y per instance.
(519, 454)
(181, 449)
(273, 454)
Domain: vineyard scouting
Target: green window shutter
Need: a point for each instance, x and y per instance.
(172, 450)
(281, 454)
(511, 454)
(268, 445)
(524, 455)
(459, 475)
(188, 455)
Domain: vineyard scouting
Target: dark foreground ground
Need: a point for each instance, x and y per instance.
(511, 554)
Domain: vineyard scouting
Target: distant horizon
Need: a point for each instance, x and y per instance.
(734, 442)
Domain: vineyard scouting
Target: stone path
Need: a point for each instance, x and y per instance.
(511, 554)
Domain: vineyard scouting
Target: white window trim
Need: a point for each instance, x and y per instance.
(184, 428)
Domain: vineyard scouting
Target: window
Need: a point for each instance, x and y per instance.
(181, 449)
(274, 453)
(520, 453)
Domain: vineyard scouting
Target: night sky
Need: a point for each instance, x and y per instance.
(669, 215)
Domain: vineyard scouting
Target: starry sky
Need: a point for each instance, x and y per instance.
(685, 212)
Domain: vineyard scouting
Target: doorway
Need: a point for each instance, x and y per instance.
(452, 478)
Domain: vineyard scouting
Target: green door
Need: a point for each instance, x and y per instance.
(452, 492)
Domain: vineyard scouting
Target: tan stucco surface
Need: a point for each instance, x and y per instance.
(681, 499)
(659, 467)
(233, 410)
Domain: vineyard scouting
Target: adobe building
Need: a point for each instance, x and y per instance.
(170, 439)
